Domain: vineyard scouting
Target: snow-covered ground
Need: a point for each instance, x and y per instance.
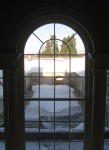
(50, 146)
(47, 91)
(58, 146)
(47, 107)
(61, 65)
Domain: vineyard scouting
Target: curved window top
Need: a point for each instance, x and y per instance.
(55, 36)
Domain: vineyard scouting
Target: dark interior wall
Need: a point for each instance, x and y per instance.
(12, 12)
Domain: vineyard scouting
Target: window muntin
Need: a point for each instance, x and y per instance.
(2, 139)
(54, 89)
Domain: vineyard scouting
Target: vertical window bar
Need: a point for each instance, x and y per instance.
(54, 85)
(54, 61)
(69, 93)
(69, 123)
(39, 99)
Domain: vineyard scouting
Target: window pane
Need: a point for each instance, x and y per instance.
(47, 110)
(32, 146)
(77, 111)
(106, 137)
(2, 142)
(2, 145)
(106, 144)
(44, 32)
(62, 145)
(31, 109)
(79, 145)
(62, 111)
(46, 145)
(46, 91)
(61, 126)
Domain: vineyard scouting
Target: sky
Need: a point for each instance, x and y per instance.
(44, 32)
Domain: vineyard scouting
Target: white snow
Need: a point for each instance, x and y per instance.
(2, 145)
(62, 91)
(47, 91)
(31, 117)
(1, 129)
(58, 145)
(80, 126)
(61, 65)
(75, 145)
(1, 73)
(1, 91)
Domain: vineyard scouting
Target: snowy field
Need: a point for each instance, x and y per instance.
(47, 109)
(61, 65)
(47, 91)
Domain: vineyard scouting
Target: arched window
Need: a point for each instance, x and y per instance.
(55, 88)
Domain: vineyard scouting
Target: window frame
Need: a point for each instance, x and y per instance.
(86, 89)
(25, 27)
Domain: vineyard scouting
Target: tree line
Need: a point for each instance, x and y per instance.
(68, 46)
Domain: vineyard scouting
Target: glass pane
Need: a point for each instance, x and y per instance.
(32, 123)
(30, 47)
(62, 145)
(31, 75)
(78, 76)
(31, 109)
(31, 65)
(44, 32)
(2, 141)
(32, 146)
(61, 126)
(30, 87)
(106, 144)
(47, 126)
(76, 127)
(47, 110)
(46, 64)
(62, 110)
(106, 137)
(46, 145)
(2, 145)
(46, 91)
(64, 91)
(77, 111)
(77, 145)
